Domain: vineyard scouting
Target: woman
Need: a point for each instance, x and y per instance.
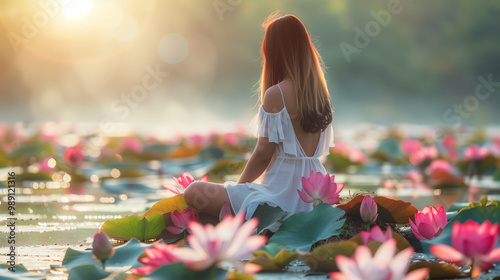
(292, 125)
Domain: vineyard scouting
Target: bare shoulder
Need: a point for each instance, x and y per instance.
(273, 103)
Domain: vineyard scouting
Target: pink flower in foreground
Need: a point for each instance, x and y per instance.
(319, 188)
(368, 210)
(439, 165)
(409, 146)
(227, 242)
(183, 182)
(181, 221)
(471, 243)
(101, 247)
(74, 155)
(414, 176)
(375, 234)
(385, 265)
(425, 153)
(159, 255)
(132, 144)
(429, 222)
(474, 152)
(224, 211)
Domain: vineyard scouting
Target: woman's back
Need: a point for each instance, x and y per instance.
(308, 141)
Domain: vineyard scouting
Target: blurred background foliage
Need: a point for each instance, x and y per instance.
(426, 59)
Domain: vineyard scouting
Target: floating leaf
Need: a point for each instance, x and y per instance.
(168, 205)
(301, 230)
(141, 228)
(401, 242)
(389, 210)
(225, 167)
(178, 271)
(184, 152)
(87, 271)
(273, 257)
(125, 256)
(20, 273)
(476, 214)
(439, 270)
(322, 258)
(268, 215)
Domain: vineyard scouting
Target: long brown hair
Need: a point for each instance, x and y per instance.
(288, 51)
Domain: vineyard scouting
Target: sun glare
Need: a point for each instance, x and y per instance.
(74, 9)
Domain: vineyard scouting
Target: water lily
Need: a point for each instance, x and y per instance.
(73, 155)
(384, 265)
(414, 176)
(224, 211)
(319, 188)
(132, 144)
(228, 242)
(375, 234)
(159, 255)
(102, 248)
(439, 165)
(181, 220)
(368, 210)
(429, 222)
(473, 244)
(424, 153)
(409, 146)
(474, 152)
(184, 180)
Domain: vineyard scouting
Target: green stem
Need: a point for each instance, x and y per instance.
(213, 272)
(368, 227)
(103, 264)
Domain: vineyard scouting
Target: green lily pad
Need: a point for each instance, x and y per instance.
(439, 270)
(177, 271)
(322, 258)
(141, 228)
(125, 256)
(268, 215)
(273, 257)
(20, 273)
(87, 271)
(301, 230)
(476, 214)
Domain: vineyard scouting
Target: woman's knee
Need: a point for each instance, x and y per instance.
(193, 195)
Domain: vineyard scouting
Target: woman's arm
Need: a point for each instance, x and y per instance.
(264, 151)
(258, 162)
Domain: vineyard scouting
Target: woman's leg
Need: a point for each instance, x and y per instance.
(207, 198)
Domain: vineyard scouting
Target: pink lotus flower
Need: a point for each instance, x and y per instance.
(44, 166)
(224, 211)
(472, 243)
(319, 188)
(227, 242)
(474, 152)
(439, 165)
(385, 265)
(425, 153)
(449, 141)
(181, 220)
(183, 182)
(368, 210)
(197, 140)
(230, 139)
(356, 155)
(389, 184)
(375, 234)
(73, 156)
(159, 255)
(409, 146)
(101, 247)
(132, 144)
(414, 176)
(429, 222)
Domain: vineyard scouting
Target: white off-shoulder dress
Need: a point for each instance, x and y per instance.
(278, 185)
